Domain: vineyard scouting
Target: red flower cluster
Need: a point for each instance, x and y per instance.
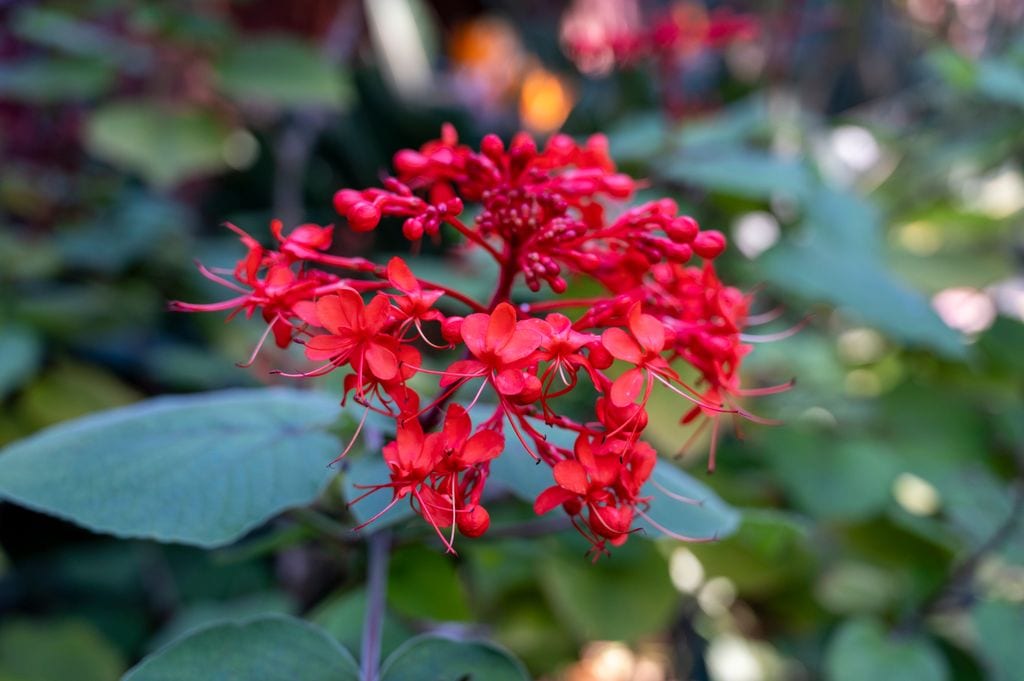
(601, 34)
(546, 216)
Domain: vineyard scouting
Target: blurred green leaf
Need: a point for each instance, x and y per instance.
(200, 615)
(847, 479)
(20, 355)
(69, 390)
(1000, 627)
(165, 145)
(43, 81)
(769, 551)
(625, 596)
(1001, 80)
(56, 651)
(270, 648)
(342, 618)
(862, 649)
(740, 172)
(424, 584)
(281, 71)
(65, 32)
(199, 469)
(683, 506)
(445, 659)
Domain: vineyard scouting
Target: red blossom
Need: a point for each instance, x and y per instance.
(546, 216)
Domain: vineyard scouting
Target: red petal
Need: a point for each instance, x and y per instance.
(510, 382)
(571, 475)
(461, 369)
(647, 330)
(409, 440)
(524, 341)
(484, 446)
(501, 326)
(382, 361)
(319, 348)
(627, 387)
(619, 343)
(341, 311)
(550, 498)
(306, 311)
(401, 276)
(474, 331)
(376, 314)
(457, 426)
(584, 452)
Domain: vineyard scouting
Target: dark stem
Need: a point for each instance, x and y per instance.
(963, 574)
(378, 553)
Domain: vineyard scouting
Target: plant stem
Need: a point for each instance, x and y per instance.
(378, 553)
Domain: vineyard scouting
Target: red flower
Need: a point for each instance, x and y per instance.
(355, 334)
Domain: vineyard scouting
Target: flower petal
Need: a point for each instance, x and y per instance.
(382, 361)
(621, 345)
(501, 326)
(401, 276)
(550, 498)
(519, 346)
(571, 475)
(626, 388)
(510, 382)
(484, 446)
(649, 332)
(457, 426)
(474, 332)
(319, 348)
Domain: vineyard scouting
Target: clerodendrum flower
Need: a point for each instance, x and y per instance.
(548, 217)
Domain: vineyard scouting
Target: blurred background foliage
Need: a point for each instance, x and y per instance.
(865, 158)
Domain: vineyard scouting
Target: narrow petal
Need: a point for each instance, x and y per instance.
(622, 346)
(457, 426)
(571, 475)
(626, 388)
(376, 314)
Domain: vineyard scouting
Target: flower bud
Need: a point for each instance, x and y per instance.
(683, 229)
(709, 244)
(474, 522)
(363, 216)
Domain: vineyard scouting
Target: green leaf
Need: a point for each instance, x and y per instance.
(42, 81)
(1000, 626)
(201, 469)
(1001, 81)
(862, 649)
(443, 659)
(165, 145)
(199, 615)
(739, 172)
(272, 648)
(769, 551)
(424, 584)
(859, 283)
(280, 71)
(70, 390)
(342, 618)
(707, 517)
(21, 352)
(56, 651)
(625, 596)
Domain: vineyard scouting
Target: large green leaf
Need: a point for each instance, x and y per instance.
(424, 584)
(54, 80)
(862, 649)
(342, 617)
(56, 651)
(21, 353)
(272, 648)
(625, 596)
(443, 659)
(200, 469)
(1000, 626)
(683, 506)
(740, 172)
(165, 145)
(280, 71)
